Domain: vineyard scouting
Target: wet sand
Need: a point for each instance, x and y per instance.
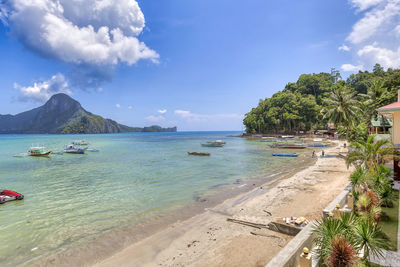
(208, 239)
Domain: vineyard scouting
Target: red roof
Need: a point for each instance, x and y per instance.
(392, 107)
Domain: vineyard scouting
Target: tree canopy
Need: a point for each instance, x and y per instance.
(317, 99)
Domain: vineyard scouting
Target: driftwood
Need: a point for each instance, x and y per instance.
(269, 213)
(255, 225)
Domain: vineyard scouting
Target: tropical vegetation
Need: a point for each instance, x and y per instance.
(355, 236)
(315, 100)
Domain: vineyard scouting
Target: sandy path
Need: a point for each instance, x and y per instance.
(208, 239)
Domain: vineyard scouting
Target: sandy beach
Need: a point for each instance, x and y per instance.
(208, 239)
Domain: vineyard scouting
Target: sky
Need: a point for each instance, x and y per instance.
(197, 65)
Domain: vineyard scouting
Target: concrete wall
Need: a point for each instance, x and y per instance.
(396, 127)
(289, 255)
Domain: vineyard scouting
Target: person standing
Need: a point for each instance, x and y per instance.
(323, 153)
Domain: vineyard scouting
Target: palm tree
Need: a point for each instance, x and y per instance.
(370, 154)
(342, 108)
(370, 239)
(377, 95)
(327, 229)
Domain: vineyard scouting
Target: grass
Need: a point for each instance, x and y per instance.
(390, 225)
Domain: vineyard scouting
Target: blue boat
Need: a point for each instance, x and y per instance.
(285, 155)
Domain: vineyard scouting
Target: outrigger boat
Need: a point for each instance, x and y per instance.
(8, 195)
(198, 154)
(80, 143)
(38, 151)
(212, 145)
(217, 143)
(288, 146)
(318, 145)
(72, 149)
(285, 155)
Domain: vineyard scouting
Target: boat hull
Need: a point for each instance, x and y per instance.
(285, 155)
(40, 154)
(8, 195)
(290, 147)
(198, 154)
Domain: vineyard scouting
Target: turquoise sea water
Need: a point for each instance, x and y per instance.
(69, 199)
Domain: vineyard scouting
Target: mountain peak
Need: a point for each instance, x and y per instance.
(63, 114)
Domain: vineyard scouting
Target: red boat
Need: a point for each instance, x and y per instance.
(288, 146)
(8, 195)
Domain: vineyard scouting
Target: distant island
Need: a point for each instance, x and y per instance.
(62, 114)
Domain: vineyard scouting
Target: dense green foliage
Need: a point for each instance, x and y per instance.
(317, 99)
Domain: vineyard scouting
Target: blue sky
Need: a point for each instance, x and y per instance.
(201, 64)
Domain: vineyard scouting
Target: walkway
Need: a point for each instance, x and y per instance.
(391, 258)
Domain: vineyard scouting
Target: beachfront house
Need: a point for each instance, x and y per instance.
(380, 125)
(392, 112)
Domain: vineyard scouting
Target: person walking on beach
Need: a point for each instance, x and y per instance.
(323, 153)
(313, 154)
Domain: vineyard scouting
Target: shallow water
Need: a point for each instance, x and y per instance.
(69, 199)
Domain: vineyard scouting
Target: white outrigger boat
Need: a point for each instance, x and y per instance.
(72, 149)
(80, 143)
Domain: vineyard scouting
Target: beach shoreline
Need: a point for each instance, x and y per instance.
(104, 245)
(207, 239)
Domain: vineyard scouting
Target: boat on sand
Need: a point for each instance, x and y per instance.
(198, 154)
(8, 195)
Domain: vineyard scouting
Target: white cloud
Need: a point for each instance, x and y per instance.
(364, 4)
(155, 118)
(129, 107)
(351, 68)
(94, 32)
(385, 57)
(375, 36)
(344, 48)
(42, 91)
(117, 105)
(162, 111)
(194, 117)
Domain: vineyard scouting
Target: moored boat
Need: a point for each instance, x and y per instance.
(288, 146)
(198, 154)
(38, 151)
(72, 149)
(8, 195)
(216, 143)
(212, 145)
(317, 145)
(80, 143)
(285, 155)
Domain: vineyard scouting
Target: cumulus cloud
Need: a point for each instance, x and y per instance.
(344, 48)
(364, 4)
(162, 111)
(375, 36)
(155, 118)
(99, 33)
(81, 32)
(351, 68)
(41, 91)
(117, 105)
(129, 107)
(189, 116)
